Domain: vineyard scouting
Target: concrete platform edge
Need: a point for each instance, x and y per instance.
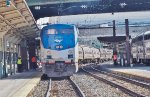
(28, 88)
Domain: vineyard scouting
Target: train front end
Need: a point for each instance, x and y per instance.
(59, 50)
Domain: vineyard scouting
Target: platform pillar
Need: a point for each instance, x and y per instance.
(5, 73)
(128, 50)
(32, 50)
(23, 52)
(1, 57)
(114, 44)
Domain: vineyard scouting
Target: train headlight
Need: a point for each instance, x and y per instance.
(59, 47)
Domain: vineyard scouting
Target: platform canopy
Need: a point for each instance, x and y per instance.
(111, 39)
(47, 8)
(16, 19)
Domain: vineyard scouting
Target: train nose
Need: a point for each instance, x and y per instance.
(60, 66)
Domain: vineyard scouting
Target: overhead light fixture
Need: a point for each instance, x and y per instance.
(37, 7)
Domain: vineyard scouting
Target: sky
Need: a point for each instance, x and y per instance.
(105, 18)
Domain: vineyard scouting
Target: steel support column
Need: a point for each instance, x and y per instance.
(114, 45)
(32, 48)
(128, 50)
(23, 52)
(4, 58)
(1, 57)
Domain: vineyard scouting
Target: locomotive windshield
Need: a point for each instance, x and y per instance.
(58, 31)
(52, 31)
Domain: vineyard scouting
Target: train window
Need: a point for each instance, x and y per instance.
(51, 31)
(68, 30)
(70, 56)
(136, 39)
(140, 38)
(133, 41)
(147, 37)
(80, 52)
(49, 57)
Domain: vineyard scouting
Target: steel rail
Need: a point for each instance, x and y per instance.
(49, 88)
(76, 88)
(125, 90)
(133, 81)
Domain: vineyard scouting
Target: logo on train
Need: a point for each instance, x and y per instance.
(58, 39)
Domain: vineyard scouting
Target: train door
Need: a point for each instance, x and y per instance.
(138, 54)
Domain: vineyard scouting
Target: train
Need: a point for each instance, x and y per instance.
(93, 55)
(140, 48)
(59, 50)
(60, 53)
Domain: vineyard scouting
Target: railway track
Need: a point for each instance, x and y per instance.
(123, 86)
(64, 88)
(130, 76)
(133, 81)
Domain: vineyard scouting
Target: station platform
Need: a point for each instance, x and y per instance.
(139, 70)
(19, 85)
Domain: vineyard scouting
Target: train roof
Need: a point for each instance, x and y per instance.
(86, 46)
(139, 37)
(147, 32)
(58, 25)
